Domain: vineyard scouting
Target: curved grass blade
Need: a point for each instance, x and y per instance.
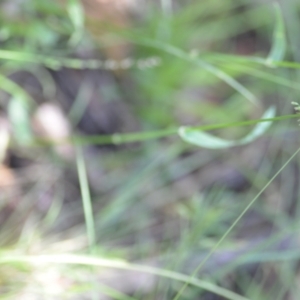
(15, 90)
(206, 140)
(279, 40)
(76, 16)
(119, 264)
(18, 110)
(200, 63)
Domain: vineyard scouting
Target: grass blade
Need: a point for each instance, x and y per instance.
(203, 64)
(86, 198)
(279, 40)
(205, 140)
(234, 224)
(122, 265)
(76, 15)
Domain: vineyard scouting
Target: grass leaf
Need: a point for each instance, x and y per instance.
(206, 140)
(86, 198)
(119, 264)
(18, 112)
(279, 40)
(76, 15)
(197, 61)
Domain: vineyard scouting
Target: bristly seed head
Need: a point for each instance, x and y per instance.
(297, 109)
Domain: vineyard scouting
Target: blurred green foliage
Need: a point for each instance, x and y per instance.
(163, 202)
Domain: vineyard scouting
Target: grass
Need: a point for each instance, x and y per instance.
(160, 211)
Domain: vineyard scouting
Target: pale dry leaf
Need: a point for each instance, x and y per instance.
(50, 123)
(4, 137)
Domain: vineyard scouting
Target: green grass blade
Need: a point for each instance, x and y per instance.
(202, 64)
(234, 224)
(18, 109)
(86, 198)
(18, 112)
(205, 140)
(215, 57)
(117, 139)
(279, 40)
(119, 264)
(256, 72)
(15, 90)
(76, 15)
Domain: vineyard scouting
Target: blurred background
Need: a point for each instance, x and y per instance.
(98, 69)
